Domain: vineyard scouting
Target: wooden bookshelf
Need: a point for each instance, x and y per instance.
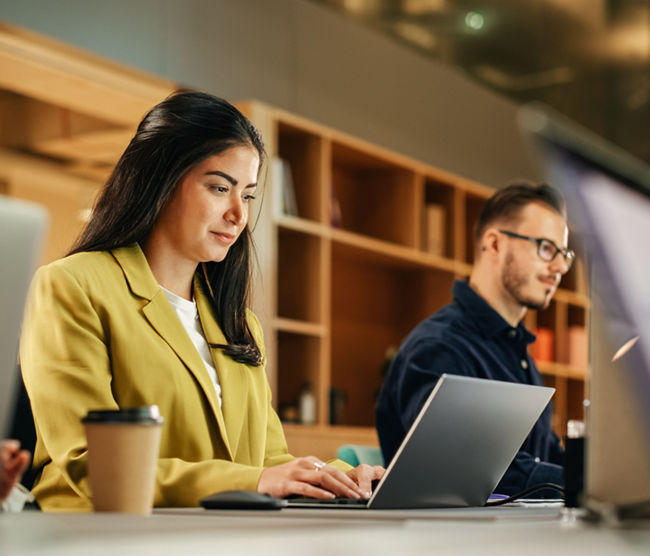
(342, 289)
(65, 118)
(338, 283)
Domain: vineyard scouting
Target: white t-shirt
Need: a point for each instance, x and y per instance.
(189, 316)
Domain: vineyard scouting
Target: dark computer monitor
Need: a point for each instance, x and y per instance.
(608, 197)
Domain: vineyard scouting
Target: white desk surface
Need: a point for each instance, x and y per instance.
(194, 531)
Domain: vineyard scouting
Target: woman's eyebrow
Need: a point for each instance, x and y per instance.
(223, 175)
(229, 178)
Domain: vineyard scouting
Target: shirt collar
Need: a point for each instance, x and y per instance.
(488, 321)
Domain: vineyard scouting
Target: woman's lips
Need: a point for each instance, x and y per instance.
(225, 237)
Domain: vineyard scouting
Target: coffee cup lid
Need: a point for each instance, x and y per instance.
(143, 415)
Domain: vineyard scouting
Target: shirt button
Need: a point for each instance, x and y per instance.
(512, 333)
(524, 364)
(537, 460)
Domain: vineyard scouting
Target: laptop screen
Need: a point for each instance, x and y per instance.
(22, 227)
(608, 196)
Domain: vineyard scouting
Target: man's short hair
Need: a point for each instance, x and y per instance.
(506, 203)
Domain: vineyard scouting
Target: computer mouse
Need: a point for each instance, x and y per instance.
(242, 500)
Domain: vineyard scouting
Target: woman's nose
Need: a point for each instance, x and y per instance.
(236, 212)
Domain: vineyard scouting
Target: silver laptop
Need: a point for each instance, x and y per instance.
(22, 228)
(608, 196)
(459, 446)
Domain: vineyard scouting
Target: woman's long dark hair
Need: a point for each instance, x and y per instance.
(176, 135)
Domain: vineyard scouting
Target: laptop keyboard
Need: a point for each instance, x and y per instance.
(327, 501)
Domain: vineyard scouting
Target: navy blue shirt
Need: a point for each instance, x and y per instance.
(468, 337)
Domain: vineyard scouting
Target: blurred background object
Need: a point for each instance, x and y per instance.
(589, 59)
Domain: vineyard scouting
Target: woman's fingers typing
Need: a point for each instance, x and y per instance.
(310, 477)
(364, 474)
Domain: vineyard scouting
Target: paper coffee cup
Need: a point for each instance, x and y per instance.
(123, 450)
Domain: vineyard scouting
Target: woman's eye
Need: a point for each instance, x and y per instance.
(218, 188)
(248, 197)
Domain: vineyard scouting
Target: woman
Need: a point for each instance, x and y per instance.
(150, 308)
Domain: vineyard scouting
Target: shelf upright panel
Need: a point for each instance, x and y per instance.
(323, 392)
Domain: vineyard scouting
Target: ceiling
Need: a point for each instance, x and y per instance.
(589, 59)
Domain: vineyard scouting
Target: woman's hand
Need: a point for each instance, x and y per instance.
(13, 463)
(363, 475)
(309, 477)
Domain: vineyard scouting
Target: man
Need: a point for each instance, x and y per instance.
(521, 254)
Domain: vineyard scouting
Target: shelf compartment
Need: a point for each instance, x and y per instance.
(376, 198)
(299, 359)
(546, 317)
(577, 337)
(374, 307)
(300, 269)
(439, 218)
(303, 151)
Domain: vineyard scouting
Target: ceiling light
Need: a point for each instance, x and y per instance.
(474, 20)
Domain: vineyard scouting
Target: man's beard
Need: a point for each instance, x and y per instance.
(514, 283)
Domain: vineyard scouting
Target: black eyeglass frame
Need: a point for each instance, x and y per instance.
(568, 254)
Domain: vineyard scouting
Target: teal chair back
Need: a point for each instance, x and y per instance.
(355, 454)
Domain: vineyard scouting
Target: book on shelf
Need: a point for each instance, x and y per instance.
(434, 229)
(542, 349)
(283, 191)
(336, 216)
(578, 346)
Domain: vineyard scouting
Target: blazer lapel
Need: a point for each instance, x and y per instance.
(232, 375)
(164, 320)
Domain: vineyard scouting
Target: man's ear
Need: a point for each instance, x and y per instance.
(490, 242)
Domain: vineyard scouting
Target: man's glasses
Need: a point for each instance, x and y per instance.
(546, 249)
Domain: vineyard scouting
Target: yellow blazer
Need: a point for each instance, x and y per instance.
(100, 334)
